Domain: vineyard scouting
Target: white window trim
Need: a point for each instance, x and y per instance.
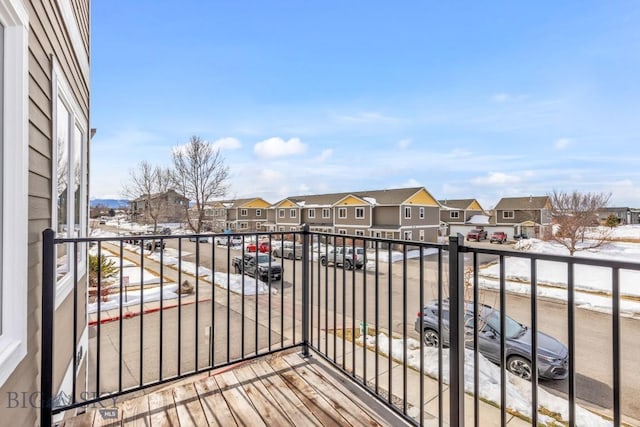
(328, 213)
(511, 216)
(407, 209)
(292, 213)
(311, 213)
(61, 89)
(360, 216)
(421, 213)
(13, 341)
(258, 212)
(244, 212)
(407, 235)
(342, 231)
(280, 213)
(340, 213)
(454, 215)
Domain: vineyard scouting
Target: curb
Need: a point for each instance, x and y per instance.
(138, 313)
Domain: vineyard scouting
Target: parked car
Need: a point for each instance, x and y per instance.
(260, 266)
(228, 240)
(156, 244)
(199, 238)
(520, 236)
(288, 250)
(263, 247)
(552, 354)
(350, 258)
(477, 235)
(498, 237)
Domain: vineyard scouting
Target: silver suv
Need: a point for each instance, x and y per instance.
(350, 258)
(288, 250)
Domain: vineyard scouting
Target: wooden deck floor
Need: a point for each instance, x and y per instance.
(280, 390)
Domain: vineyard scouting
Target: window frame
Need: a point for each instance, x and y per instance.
(511, 216)
(244, 212)
(15, 169)
(360, 209)
(407, 235)
(407, 212)
(77, 119)
(326, 211)
(280, 213)
(454, 215)
(292, 213)
(311, 213)
(259, 212)
(342, 213)
(421, 212)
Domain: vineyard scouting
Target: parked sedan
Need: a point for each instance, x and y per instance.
(263, 247)
(288, 250)
(552, 354)
(203, 239)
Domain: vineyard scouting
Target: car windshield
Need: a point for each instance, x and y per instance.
(513, 328)
(264, 258)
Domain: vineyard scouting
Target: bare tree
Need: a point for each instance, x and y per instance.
(148, 183)
(575, 213)
(200, 173)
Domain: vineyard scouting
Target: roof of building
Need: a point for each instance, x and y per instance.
(522, 203)
(393, 196)
(461, 204)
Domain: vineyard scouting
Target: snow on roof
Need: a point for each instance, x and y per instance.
(479, 219)
(370, 200)
(227, 205)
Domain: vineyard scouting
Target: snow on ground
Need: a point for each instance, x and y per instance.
(518, 390)
(234, 282)
(631, 232)
(593, 284)
(133, 297)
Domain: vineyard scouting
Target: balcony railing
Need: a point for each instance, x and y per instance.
(342, 298)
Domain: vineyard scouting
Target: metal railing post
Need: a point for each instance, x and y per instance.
(305, 290)
(456, 331)
(46, 327)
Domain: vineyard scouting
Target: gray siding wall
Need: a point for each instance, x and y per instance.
(445, 216)
(47, 37)
(288, 219)
(519, 216)
(385, 215)
(431, 216)
(351, 216)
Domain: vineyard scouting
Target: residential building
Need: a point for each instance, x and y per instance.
(241, 215)
(169, 206)
(530, 215)
(403, 213)
(44, 133)
(461, 215)
(625, 214)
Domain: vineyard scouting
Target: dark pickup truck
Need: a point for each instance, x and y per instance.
(260, 266)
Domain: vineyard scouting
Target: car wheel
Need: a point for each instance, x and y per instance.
(347, 265)
(520, 367)
(430, 338)
(323, 261)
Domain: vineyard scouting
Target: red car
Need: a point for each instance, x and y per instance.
(498, 237)
(263, 247)
(477, 235)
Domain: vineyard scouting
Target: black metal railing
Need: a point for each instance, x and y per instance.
(345, 299)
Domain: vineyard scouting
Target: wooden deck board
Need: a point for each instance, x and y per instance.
(282, 390)
(213, 404)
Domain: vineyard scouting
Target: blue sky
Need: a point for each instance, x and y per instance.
(473, 100)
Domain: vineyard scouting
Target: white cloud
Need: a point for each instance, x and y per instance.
(227, 143)
(326, 153)
(278, 147)
(563, 143)
(496, 178)
(411, 182)
(404, 143)
(270, 176)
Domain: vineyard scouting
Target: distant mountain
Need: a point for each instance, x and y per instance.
(110, 203)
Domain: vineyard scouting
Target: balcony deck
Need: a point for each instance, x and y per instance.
(282, 389)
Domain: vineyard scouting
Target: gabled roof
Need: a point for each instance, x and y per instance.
(395, 196)
(241, 203)
(523, 203)
(462, 204)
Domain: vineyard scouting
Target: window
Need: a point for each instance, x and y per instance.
(326, 213)
(342, 231)
(421, 213)
(454, 214)
(311, 213)
(359, 213)
(243, 212)
(258, 225)
(359, 233)
(281, 228)
(258, 212)
(342, 213)
(14, 155)
(292, 228)
(421, 236)
(408, 235)
(69, 182)
(389, 235)
(243, 226)
(280, 213)
(407, 212)
(292, 213)
(508, 215)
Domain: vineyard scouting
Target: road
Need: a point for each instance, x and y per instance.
(392, 293)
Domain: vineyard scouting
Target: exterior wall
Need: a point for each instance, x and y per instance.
(288, 220)
(386, 215)
(351, 219)
(317, 220)
(519, 216)
(445, 216)
(47, 38)
(431, 216)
